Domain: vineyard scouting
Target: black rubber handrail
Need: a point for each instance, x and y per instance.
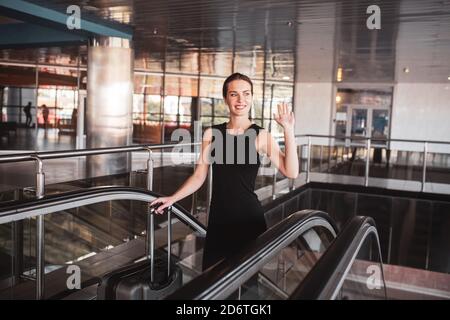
(21, 209)
(325, 280)
(222, 279)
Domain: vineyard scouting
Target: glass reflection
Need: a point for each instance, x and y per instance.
(275, 94)
(278, 278)
(191, 74)
(216, 63)
(365, 280)
(280, 66)
(177, 114)
(182, 61)
(250, 63)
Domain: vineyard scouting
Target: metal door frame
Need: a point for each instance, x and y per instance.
(370, 109)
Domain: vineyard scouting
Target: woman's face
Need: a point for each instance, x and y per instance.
(239, 97)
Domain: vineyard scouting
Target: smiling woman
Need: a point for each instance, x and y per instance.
(233, 149)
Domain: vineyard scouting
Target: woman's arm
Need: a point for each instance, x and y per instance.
(286, 162)
(195, 181)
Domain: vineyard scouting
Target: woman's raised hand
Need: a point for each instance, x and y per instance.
(285, 116)
(164, 203)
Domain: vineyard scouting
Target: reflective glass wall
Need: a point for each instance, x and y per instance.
(39, 106)
(191, 90)
(191, 75)
(173, 88)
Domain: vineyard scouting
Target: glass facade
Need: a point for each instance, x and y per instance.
(173, 88)
(190, 89)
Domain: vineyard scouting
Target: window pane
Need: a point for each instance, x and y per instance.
(138, 108)
(380, 121)
(170, 106)
(257, 100)
(185, 110)
(206, 106)
(220, 120)
(280, 66)
(206, 121)
(182, 61)
(153, 107)
(250, 63)
(181, 86)
(220, 108)
(211, 88)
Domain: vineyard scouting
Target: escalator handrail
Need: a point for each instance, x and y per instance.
(21, 209)
(325, 280)
(220, 280)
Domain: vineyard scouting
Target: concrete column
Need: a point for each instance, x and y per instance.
(14, 99)
(109, 103)
(80, 139)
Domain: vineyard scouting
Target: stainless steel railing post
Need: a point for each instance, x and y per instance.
(151, 244)
(366, 175)
(169, 239)
(149, 187)
(424, 169)
(274, 183)
(149, 170)
(40, 245)
(195, 194)
(308, 161)
(329, 158)
(321, 155)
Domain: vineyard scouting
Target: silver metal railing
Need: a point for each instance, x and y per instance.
(344, 141)
(368, 143)
(80, 198)
(38, 157)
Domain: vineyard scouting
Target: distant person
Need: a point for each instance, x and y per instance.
(27, 110)
(45, 113)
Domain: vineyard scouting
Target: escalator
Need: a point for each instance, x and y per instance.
(59, 212)
(351, 269)
(299, 258)
(302, 257)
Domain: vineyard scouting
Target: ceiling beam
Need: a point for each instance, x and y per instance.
(18, 35)
(47, 17)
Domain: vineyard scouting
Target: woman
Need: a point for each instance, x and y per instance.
(236, 216)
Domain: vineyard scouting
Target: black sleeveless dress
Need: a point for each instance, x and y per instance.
(236, 216)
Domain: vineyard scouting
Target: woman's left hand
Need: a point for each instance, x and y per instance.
(285, 117)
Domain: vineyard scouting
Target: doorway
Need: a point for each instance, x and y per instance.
(363, 114)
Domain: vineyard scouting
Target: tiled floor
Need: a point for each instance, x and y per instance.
(45, 140)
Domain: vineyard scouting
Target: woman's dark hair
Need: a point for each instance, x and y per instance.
(235, 76)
